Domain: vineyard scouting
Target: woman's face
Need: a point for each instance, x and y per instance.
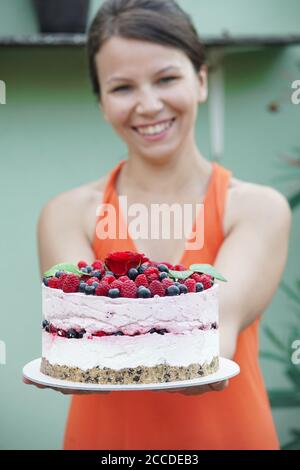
(150, 95)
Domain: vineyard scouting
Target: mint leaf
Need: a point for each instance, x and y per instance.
(67, 268)
(180, 274)
(207, 269)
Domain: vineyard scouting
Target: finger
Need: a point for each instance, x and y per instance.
(219, 386)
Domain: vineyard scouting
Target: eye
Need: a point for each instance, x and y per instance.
(121, 88)
(167, 79)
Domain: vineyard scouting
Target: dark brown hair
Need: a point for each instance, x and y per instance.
(158, 21)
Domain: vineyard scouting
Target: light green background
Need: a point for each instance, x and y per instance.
(52, 138)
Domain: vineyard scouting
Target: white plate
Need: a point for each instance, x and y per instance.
(31, 371)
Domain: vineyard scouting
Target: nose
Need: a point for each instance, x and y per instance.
(148, 102)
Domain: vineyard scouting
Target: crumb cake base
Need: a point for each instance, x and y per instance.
(135, 375)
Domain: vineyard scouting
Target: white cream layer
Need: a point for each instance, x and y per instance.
(178, 314)
(118, 352)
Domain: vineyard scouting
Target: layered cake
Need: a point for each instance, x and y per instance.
(127, 320)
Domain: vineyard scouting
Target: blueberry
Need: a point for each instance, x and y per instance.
(173, 290)
(58, 274)
(95, 284)
(89, 269)
(72, 333)
(162, 332)
(214, 325)
(142, 268)
(153, 330)
(96, 274)
(84, 270)
(89, 290)
(82, 287)
(199, 287)
(45, 281)
(162, 276)
(109, 273)
(132, 273)
(45, 323)
(118, 333)
(163, 268)
(80, 333)
(114, 293)
(183, 289)
(144, 293)
(177, 284)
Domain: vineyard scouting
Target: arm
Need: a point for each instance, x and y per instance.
(252, 258)
(61, 235)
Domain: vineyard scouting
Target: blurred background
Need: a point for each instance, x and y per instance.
(53, 138)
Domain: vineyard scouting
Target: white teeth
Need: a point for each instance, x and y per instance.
(153, 130)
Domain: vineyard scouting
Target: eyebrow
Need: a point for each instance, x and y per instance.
(165, 69)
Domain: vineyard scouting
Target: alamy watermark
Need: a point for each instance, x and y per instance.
(2, 92)
(295, 358)
(295, 97)
(2, 353)
(156, 222)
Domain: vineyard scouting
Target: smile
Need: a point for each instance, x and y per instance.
(155, 130)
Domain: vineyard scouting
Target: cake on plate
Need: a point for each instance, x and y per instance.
(128, 320)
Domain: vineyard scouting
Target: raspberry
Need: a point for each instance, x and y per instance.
(196, 277)
(206, 280)
(103, 288)
(61, 280)
(116, 285)
(190, 284)
(71, 283)
(167, 282)
(82, 264)
(152, 277)
(91, 280)
(179, 267)
(124, 279)
(157, 288)
(109, 279)
(128, 289)
(141, 280)
(100, 333)
(97, 265)
(151, 270)
(53, 282)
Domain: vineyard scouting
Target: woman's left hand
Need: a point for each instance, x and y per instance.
(199, 390)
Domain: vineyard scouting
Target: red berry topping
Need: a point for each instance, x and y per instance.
(116, 284)
(167, 282)
(109, 279)
(71, 283)
(190, 284)
(97, 265)
(82, 264)
(53, 282)
(206, 280)
(103, 288)
(157, 288)
(61, 280)
(152, 277)
(179, 267)
(141, 280)
(151, 270)
(124, 279)
(128, 289)
(196, 277)
(90, 281)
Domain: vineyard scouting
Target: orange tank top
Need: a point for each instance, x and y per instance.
(236, 418)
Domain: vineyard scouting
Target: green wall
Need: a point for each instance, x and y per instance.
(52, 138)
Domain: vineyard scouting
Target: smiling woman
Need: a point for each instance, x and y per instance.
(148, 71)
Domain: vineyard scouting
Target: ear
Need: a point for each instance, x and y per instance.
(202, 84)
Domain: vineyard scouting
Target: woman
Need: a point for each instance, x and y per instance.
(148, 71)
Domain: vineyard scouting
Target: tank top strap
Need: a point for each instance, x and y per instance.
(110, 187)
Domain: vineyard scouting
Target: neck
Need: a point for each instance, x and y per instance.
(170, 176)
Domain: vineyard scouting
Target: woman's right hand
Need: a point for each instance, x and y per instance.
(64, 391)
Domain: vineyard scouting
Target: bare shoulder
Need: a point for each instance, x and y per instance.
(249, 203)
